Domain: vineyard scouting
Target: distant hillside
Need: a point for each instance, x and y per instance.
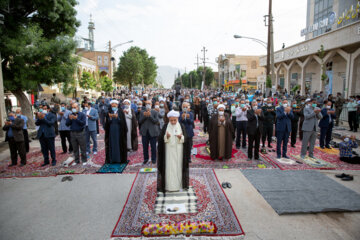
(166, 75)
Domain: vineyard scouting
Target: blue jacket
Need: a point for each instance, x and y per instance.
(46, 126)
(325, 121)
(91, 121)
(283, 121)
(188, 123)
(62, 120)
(78, 124)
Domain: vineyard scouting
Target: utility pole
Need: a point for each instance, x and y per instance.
(2, 95)
(204, 50)
(270, 48)
(197, 61)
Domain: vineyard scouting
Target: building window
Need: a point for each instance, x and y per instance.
(106, 60)
(99, 60)
(322, 10)
(253, 65)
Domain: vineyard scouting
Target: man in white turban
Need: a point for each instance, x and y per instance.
(173, 156)
(220, 134)
(131, 123)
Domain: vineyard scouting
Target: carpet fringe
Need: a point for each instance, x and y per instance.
(181, 237)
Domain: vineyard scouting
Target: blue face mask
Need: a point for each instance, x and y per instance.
(314, 105)
(74, 110)
(114, 109)
(215, 102)
(62, 108)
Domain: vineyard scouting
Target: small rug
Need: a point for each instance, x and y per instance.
(305, 191)
(315, 162)
(212, 203)
(112, 168)
(329, 151)
(187, 198)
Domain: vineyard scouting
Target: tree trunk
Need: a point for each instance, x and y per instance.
(25, 107)
(130, 86)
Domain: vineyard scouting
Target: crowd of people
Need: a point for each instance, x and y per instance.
(248, 121)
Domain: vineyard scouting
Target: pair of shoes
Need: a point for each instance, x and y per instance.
(67, 178)
(53, 163)
(226, 185)
(44, 164)
(263, 151)
(345, 177)
(11, 165)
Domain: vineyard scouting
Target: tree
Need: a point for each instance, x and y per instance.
(136, 67)
(87, 81)
(106, 84)
(37, 46)
(193, 79)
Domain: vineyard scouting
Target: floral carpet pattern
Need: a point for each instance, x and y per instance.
(213, 205)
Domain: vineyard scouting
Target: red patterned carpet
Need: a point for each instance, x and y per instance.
(201, 160)
(213, 205)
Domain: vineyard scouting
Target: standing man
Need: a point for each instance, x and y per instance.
(326, 124)
(187, 119)
(268, 123)
(311, 116)
(103, 108)
(197, 108)
(46, 134)
(25, 131)
(352, 109)
(295, 122)
(149, 131)
(8, 104)
(284, 115)
(339, 102)
(205, 114)
(15, 138)
(90, 127)
(77, 121)
(241, 124)
(64, 130)
(254, 129)
(131, 124)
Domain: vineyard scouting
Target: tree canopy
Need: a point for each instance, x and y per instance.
(193, 79)
(106, 84)
(136, 67)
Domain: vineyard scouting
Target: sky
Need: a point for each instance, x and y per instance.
(175, 31)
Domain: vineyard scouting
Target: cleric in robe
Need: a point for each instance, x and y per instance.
(115, 135)
(131, 123)
(173, 154)
(220, 135)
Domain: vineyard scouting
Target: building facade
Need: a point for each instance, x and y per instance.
(329, 59)
(237, 71)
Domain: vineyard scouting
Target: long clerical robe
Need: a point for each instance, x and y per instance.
(131, 136)
(173, 160)
(115, 138)
(220, 137)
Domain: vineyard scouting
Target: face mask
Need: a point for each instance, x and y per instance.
(346, 139)
(221, 113)
(114, 109)
(242, 105)
(269, 104)
(161, 105)
(302, 102)
(254, 107)
(207, 101)
(215, 102)
(18, 115)
(157, 106)
(44, 111)
(285, 105)
(314, 105)
(294, 105)
(185, 109)
(86, 108)
(74, 110)
(139, 106)
(328, 107)
(40, 110)
(225, 103)
(62, 108)
(186, 100)
(148, 106)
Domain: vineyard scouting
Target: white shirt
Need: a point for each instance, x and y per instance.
(240, 114)
(87, 113)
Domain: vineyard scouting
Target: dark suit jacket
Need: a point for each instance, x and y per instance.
(17, 129)
(283, 121)
(251, 124)
(151, 124)
(46, 125)
(324, 122)
(188, 123)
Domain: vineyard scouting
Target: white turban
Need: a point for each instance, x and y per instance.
(114, 101)
(173, 113)
(127, 100)
(221, 106)
(308, 100)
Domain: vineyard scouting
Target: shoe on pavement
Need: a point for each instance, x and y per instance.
(224, 185)
(341, 175)
(347, 178)
(228, 185)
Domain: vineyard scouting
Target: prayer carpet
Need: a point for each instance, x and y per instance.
(212, 204)
(112, 168)
(187, 198)
(305, 191)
